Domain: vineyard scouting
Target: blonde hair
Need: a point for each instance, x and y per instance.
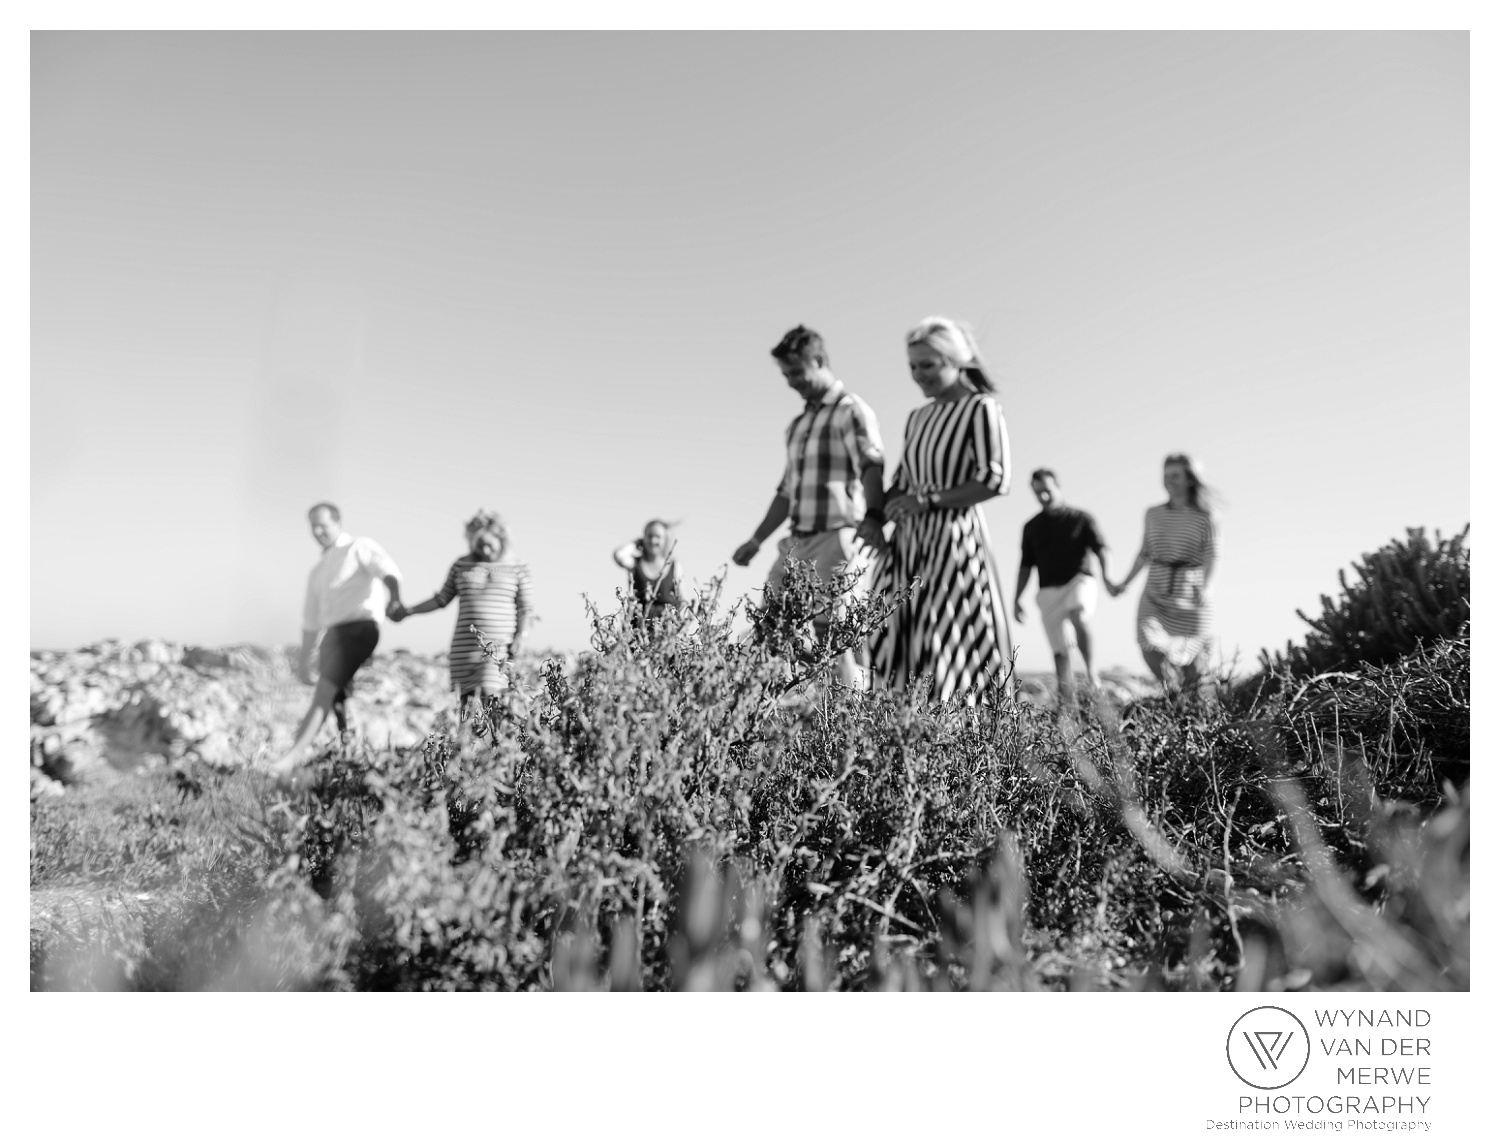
(956, 344)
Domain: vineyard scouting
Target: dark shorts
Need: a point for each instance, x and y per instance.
(346, 647)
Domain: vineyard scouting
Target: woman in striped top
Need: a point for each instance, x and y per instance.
(1180, 546)
(956, 456)
(493, 595)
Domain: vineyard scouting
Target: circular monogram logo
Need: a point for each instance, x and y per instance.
(1268, 1047)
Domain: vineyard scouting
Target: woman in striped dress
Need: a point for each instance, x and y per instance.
(493, 595)
(956, 456)
(1174, 624)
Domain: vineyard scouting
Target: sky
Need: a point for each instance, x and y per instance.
(420, 273)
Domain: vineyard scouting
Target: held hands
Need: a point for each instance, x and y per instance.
(870, 534)
(396, 611)
(899, 507)
(745, 552)
(1114, 589)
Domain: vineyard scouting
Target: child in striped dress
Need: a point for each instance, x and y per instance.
(494, 596)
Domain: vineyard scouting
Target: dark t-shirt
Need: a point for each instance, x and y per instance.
(1057, 544)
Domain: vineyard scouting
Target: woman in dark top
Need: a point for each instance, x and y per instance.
(653, 570)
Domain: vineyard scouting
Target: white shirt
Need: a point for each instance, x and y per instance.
(345, 586)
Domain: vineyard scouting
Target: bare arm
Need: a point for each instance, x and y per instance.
(776, 515)
(523, 612)
(393, 585)
(1022, 578)
(1135, 569)
(1210, 552)
(872, 477)
(1103, 570)
(627, 554)
(964, 495)
(424, 607)
(440, 599)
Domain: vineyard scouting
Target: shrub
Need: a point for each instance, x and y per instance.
(688, 809)
(1410, 593)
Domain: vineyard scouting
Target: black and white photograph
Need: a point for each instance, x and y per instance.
(756, 505)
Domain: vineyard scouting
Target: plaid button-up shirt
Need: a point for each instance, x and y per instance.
(827, 447)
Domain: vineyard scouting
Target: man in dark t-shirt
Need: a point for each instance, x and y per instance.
(1057, 541)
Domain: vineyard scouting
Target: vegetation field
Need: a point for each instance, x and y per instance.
(685, 810)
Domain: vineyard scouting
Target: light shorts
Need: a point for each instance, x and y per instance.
(1056, 603)
(830, 552)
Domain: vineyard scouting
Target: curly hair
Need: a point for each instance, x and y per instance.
(486, 521)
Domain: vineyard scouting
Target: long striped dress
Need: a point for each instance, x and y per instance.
(954, 624)
(489, 595)
(1175, 617)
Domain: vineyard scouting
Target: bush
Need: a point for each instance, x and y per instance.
(684, 809)
(1410, 593)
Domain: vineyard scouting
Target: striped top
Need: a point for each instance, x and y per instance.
(1180, 543)
(827, 447)
(949, 443)
(490, 595)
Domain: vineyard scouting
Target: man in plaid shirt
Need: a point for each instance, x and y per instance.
(832, 489)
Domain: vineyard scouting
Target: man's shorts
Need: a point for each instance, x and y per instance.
(1056, 603)
(830, 553)
(346, 647)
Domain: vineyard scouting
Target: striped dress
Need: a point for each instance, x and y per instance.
(489, 597)
(954, 624)
(1175, 617)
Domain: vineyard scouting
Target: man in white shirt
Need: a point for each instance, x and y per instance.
(351, 586)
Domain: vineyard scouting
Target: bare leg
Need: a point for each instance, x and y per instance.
(488, 707)
(481, 699)
(847, 667)
(1085, 645)
(1195, 680)
(1156, 661)
(849, 672)
(1064, 678)
(312, 721)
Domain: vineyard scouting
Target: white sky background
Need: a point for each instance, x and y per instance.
(417, 273)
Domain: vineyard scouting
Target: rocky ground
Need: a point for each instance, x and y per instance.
(114, 707)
